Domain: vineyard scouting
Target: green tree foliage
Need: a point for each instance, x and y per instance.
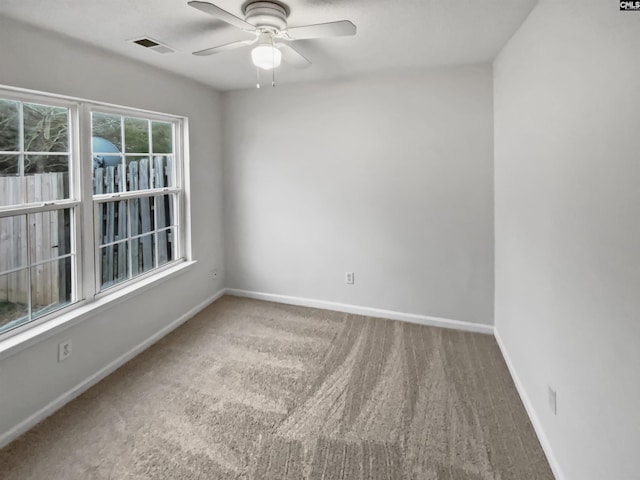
(108, 127)
(162, 137)
(136, 133)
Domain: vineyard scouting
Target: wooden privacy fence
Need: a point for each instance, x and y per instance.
(49, 232)
(48, 238)
(112, 219)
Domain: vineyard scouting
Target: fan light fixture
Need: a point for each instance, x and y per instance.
(267, 20)
(266, 57)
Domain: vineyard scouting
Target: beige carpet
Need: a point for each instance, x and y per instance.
(256, 390)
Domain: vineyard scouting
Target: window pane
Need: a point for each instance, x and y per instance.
(108, 179)
(107, 175)
(46, 128)
(142, 254)
(9, 165)
(10, 182)
(13, 243)
(113, 264)
(50, 234)
(164, 211)
(166, 246)
(46, 177)
(112, 221)
(163, 171)
(108, 130)
(142, 220)
(162, 135)
(50, 286)
(14, 299)
(105, 153)
(9, 126)
(136, 135)
(46, 164)
(138, 173)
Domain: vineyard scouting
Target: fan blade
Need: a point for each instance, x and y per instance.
(293, 57)
(342, 28)
(224, 48)
(221, 14)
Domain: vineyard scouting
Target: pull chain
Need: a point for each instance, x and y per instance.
(273, 62)
(257, 77)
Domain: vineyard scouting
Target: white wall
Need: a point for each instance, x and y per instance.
(567, 176)
(388, 176)
(33, 59)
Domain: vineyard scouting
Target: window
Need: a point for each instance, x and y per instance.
(91, 200)
(37, 240)
(135, 195)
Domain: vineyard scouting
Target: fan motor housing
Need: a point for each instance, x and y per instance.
(266, 15)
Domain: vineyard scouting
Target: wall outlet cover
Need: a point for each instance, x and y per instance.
(64, 350)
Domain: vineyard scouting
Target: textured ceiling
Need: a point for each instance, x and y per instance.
(391, 34)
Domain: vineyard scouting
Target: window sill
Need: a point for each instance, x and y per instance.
(86, 309)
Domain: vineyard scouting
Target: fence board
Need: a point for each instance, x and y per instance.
(161, 219)
(6, 239)
(122, 234)
(43, 246)
(145, 217)
(122, 248)
(171, 183)
(108, 231)
(63, 241)
(17, 291)
(35, 231)
(98, 181)
(134, 220)
(14, 191)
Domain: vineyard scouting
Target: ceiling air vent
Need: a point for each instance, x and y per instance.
(154, 45)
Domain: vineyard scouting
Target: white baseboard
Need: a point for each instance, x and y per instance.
(528, 405)
(367, 311)
(89, 382)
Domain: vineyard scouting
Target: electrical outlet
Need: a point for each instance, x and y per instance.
(552, 401)
(349, 277)
(64, 350)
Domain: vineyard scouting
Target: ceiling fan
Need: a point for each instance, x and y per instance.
(267, 20)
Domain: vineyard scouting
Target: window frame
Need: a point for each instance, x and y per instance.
(86, 288)
(179, 127)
